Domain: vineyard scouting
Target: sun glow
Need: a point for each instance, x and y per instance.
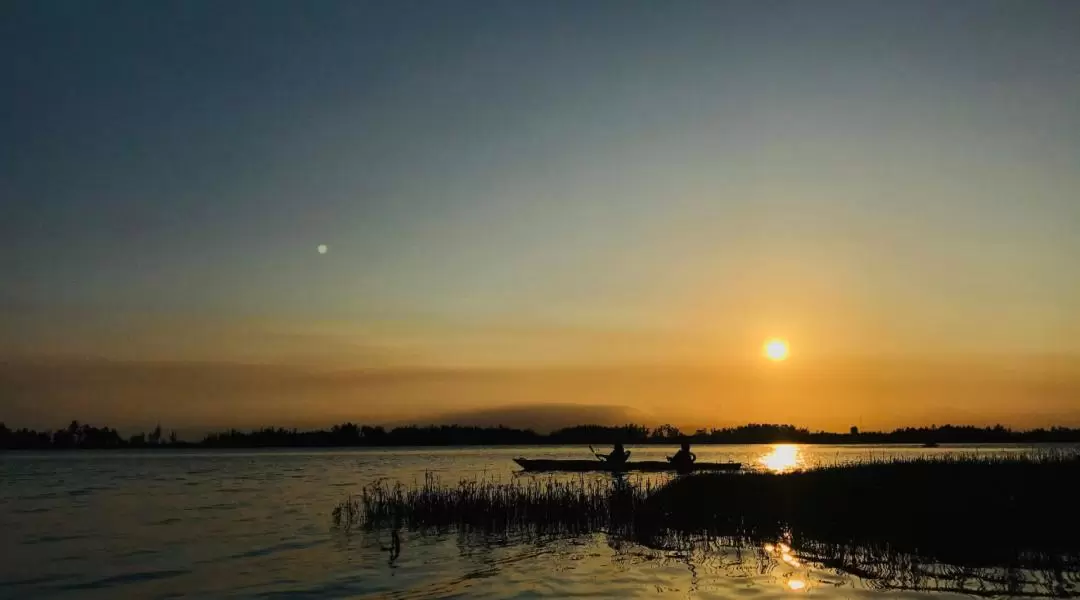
(776, 349)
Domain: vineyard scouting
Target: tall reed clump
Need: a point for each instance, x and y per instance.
(576, 505)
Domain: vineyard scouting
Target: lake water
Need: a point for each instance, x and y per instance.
(257, 524)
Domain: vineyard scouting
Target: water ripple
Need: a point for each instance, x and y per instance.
(30, 511)
(274, 549)
(49, 539)
(127, 578)
(36, 580)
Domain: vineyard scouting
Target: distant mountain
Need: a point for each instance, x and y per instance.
(542, 418)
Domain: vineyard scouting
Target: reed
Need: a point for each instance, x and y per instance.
(578, 505)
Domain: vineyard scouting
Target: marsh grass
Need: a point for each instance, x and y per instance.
(572, 506)
(979, 525)
(982, 511)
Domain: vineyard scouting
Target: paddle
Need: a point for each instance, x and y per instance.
(597, 455)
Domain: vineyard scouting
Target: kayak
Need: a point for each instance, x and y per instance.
(544, 464)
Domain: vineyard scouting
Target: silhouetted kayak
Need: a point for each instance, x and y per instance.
(596, 465)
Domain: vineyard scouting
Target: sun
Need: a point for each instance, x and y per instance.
(776, 349)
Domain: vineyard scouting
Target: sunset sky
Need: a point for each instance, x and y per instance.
(599, 210)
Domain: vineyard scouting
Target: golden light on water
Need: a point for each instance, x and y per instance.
(776, 349)
(783, 552)
(783, 457)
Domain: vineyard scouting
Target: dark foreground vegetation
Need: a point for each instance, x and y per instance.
(980, 526)
(81, 435)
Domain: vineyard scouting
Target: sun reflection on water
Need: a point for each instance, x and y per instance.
(782, 458)
(783, 552)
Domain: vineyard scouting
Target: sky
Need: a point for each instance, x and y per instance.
(599, 210)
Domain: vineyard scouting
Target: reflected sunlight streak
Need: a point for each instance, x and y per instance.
(784, 457)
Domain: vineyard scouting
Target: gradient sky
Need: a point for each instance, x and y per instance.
(538, 203)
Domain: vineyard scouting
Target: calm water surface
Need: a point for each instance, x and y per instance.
(256, 524)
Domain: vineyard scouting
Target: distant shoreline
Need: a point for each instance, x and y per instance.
(78, 436)
(196, 446)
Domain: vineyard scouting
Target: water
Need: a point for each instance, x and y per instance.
(256, 524)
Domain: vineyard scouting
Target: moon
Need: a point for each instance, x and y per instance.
(323, 248)
(776, 349)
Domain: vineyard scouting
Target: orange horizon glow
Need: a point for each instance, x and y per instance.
(817, 394)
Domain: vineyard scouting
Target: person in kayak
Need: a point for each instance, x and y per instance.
(618, 456)
(684, 458)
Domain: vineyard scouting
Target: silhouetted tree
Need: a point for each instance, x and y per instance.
(666, 432)
(347, 434)
(373, 435)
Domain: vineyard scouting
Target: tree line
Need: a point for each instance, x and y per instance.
(83, 436)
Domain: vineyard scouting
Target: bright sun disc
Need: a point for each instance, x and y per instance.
(776, 349)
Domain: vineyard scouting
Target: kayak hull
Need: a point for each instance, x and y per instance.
(651, 466)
